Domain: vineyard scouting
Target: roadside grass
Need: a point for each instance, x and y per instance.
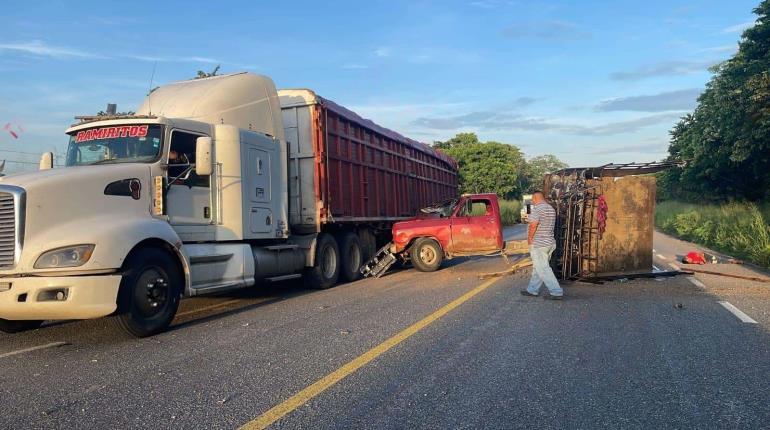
(738, 229)
(510, 211)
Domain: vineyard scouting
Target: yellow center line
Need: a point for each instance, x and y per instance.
(287, 406)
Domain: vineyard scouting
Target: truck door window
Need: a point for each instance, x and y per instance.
(182, 155)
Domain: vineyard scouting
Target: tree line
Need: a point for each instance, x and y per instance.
(725, 141)
(495, 167)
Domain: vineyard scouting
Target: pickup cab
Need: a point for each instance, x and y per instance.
(469, 225)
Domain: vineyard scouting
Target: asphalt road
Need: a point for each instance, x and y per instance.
(637, 354)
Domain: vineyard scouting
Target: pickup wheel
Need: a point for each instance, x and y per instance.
(149, 293)
(426, 255)
(352, 254)
(8, 326)
(326, 271)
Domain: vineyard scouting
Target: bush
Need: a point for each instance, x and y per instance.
(510, 211)
(738, 229)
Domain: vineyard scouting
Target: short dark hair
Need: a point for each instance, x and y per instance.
(538, 192)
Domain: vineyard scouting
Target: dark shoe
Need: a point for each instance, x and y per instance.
(550, 297)
(527, 293)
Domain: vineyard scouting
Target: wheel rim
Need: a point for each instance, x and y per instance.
(329, 263)
(152, 291)
(354, 253)
(428, 254)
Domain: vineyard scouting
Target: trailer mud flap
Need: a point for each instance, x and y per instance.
(380, 263)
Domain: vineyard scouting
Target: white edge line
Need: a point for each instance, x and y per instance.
(696, 282)
(34, 348)
(737, 312)
(661, 256)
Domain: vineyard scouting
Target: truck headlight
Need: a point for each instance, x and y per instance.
(70, 256)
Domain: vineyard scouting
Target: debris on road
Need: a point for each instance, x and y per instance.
(729, 275)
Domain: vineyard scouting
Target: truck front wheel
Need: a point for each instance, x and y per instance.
(8, 326)
(426, 255)
(149, 293)
(327, 263)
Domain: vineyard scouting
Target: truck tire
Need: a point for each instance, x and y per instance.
(426, 255)
(7, 326)
(149, 293)
(326, 271)
(352, 255)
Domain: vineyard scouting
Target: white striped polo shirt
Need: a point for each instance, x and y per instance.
(545, 215)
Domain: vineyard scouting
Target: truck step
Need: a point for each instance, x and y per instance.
(380, 263)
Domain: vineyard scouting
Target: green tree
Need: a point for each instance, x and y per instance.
(538, 167)
(726, 140)
(486, 167)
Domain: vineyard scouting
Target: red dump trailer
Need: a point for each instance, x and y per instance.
(351, 177)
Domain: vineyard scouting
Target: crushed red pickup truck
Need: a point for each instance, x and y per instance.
(469, 225)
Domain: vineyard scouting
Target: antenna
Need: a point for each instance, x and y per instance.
(149, 94)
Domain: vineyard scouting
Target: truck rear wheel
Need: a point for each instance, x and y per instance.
(352, 254)
(426, 255)
(149, 293)
(8, 326)
(326, 271)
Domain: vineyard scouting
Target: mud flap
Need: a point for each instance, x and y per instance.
(380, 263)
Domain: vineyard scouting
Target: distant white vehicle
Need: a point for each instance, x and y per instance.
(526, 207)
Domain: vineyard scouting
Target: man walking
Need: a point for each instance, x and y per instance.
(541, 246)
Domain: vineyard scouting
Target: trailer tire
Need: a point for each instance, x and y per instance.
(8, 326)
(149, 293)
(326, 271)
(352, 255)
(426, 255)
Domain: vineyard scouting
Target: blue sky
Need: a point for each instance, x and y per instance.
(590, 81)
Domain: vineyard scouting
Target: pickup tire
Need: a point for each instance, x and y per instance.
(426, 255)
(8, 326)
(149, 293)
(326, 271)
(352, 254)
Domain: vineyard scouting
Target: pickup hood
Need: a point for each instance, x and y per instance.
(67, 206)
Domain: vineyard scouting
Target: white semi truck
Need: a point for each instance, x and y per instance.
(199, 192)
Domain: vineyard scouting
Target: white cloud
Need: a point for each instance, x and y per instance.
(738, 28)
(40, 48)
(355, 66)
(382, 51)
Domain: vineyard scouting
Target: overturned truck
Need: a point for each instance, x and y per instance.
(604, 219)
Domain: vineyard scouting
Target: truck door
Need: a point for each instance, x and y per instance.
(189, 195)
(475, 227)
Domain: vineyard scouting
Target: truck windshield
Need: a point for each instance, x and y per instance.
(443, 209)
(135, 143)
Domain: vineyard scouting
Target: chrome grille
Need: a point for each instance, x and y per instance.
(7, 230)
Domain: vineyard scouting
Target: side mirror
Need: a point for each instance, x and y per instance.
(203, 162)
(46, 161)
